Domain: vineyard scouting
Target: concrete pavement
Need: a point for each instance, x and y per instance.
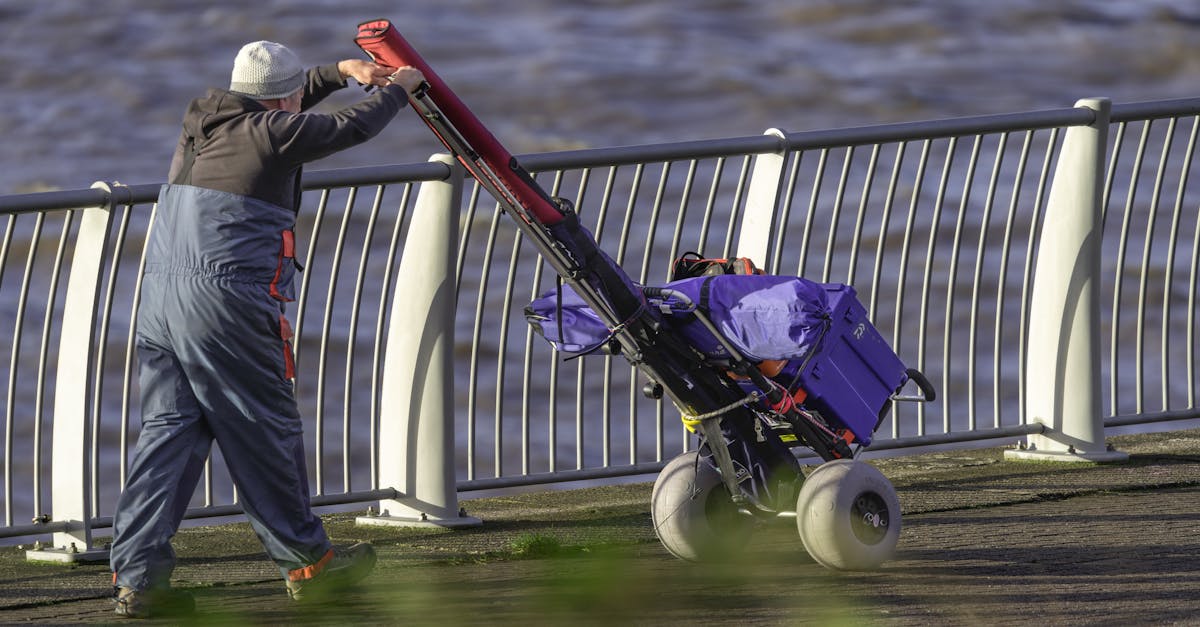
(985, 542)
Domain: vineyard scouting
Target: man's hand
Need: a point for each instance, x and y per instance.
(365, 72)
(371, 73)
(408, 77)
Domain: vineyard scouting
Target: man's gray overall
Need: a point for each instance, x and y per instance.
(215, 362)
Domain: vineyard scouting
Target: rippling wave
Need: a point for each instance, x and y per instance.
(97, 94)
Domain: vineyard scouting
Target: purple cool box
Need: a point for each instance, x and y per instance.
(855, 371)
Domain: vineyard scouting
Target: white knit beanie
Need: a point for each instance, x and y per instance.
(265, 70)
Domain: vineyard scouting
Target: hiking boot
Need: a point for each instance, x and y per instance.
(153, 603)
(347, 567)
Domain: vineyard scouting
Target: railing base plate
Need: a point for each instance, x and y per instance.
(68, 555)
(1066, 456)
(457, 522)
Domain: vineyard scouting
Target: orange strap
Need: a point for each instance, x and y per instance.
(312, 570)
(289, 361)
(289, 243)
(286, 251)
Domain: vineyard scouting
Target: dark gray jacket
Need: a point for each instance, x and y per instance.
(243, 148)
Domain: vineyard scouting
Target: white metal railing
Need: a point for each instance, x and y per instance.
(938, 225)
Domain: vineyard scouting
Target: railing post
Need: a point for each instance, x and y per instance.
(70, 470)
(1063, 374)
(416, 421)
(762, 204)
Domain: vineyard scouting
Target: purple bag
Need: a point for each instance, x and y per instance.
(567, 322)
(762, 316)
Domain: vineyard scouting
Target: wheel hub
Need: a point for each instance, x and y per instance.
(869, 517)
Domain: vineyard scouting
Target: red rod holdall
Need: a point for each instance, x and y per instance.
(571, 250)
(383, 42)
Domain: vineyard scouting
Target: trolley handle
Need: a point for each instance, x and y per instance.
(928, 393)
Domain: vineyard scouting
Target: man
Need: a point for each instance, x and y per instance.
(214, 345)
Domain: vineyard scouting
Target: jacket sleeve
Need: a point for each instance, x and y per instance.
(304, 137)
(319, 83)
